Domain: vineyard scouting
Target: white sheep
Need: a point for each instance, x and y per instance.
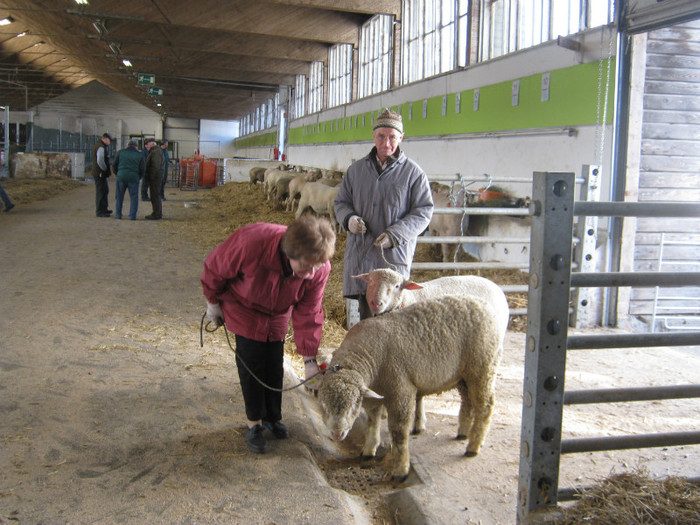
(256, 174)
(296, 185)
(388, 290)
(280, 192)
(426, 348)
(320, 199)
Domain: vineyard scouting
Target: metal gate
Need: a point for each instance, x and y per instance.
(547, 342)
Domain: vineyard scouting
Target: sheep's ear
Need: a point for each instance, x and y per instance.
(371, 394)
(410, 285)
(363, 277)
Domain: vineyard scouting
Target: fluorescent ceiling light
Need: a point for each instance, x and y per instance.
(126, 62)
(6, 21)
(81, 2)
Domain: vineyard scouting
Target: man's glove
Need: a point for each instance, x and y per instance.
(356, 225)
(311, 370)
(214, 314)
(383, 241)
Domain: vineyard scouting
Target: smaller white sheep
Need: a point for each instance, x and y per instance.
(423, 349)
(320, 199)
(388, 289)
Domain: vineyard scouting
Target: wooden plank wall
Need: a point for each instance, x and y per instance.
(670, 158)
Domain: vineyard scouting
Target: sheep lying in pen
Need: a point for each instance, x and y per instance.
(388, 290)
(426, 348)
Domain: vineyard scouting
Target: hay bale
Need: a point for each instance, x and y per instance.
(635, 498)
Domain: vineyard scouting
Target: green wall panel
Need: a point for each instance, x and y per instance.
(573, 101)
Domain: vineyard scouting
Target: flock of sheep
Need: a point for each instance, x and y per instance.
(288, 187)
(423, 339)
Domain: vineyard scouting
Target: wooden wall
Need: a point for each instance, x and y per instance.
(670, 162)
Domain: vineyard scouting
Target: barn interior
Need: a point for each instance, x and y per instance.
(490, 92)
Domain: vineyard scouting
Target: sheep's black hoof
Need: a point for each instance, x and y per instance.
(470, 454)
(461, 437)
(399, 479)
(416, 431)
(366, 458)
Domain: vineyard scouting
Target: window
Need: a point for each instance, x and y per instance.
(376, 51)
(316, 87)
(300, 96)
(339, 75)
(511, 25)
(429, 37)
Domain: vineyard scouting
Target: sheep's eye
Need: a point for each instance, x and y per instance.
(397, 286)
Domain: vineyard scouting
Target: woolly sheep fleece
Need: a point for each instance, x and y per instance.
(423, 349)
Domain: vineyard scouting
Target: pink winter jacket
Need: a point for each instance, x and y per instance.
(250, 276)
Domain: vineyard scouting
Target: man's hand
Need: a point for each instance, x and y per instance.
(214, 314)
(383, 241)
(356, 225)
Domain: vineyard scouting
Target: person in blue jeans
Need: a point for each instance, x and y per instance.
(129, 165)
(5, 199)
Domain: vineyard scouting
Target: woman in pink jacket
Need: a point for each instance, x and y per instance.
(254, 282)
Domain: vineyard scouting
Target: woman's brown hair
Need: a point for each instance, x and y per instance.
(310, 238)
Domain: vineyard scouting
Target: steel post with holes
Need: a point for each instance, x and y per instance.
(583, 299)
(547, 326)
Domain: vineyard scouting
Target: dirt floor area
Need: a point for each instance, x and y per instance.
(111, 412)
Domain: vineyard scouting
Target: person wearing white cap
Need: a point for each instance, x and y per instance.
(100, 172)
(384, 202)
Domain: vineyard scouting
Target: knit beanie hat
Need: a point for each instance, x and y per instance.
(389, 119)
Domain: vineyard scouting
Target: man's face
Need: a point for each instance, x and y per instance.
(386, 140)
(149, 145)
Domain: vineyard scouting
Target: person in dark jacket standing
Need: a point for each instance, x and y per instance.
(166, 160)
(100, 172)
(129, 165)
(147, 145)
(153, 176)
(254, 282)
(385, 203)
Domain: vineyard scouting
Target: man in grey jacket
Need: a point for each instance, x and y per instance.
(384, 202)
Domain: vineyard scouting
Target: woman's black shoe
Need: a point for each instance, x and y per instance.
(255, 440)
(277, 428)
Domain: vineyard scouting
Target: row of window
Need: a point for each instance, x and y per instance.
(435, 36)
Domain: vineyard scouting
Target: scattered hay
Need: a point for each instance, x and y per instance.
(24, 191)
(635, 498)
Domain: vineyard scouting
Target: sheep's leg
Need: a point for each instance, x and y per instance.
(483, 400)
(400, 419)
(466, 412)
(373, 434)
(419, 420)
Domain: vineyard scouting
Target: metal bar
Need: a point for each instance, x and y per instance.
(458, 177)
(597, 444)
(545, 357)
(638, 209)
(433, 239)
(642, 279)
(582, 342)
(623, 395)
(482, 210)
(468, 266)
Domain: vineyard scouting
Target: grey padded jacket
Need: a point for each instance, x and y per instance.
(397, 200)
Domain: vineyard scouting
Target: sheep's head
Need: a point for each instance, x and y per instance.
(340, 397)
(384, 289)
